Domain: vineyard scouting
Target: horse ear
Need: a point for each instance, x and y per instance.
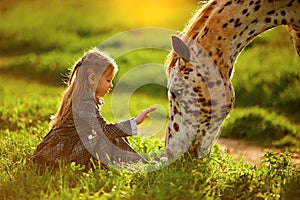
(180, 48)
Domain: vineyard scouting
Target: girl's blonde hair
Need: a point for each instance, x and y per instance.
(78, 86)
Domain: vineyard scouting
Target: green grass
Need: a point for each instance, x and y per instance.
(263, 127)
(36, 53)
(215, 177)
(268, 74)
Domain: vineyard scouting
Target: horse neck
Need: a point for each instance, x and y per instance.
(232, 25)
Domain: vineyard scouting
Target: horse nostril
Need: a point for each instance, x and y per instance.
(176, 127)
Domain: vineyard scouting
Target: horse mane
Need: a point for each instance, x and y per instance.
(191, 30)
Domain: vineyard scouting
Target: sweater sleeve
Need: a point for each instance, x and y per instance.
(133, 126)
(88, 112)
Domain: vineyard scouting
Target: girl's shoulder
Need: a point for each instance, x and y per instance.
(86, 105)
(87, 100)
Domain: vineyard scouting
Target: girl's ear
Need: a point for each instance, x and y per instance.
(92, 79)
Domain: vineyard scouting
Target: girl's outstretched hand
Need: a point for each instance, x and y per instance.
(144, 114)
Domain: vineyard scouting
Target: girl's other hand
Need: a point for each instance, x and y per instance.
(144, 114)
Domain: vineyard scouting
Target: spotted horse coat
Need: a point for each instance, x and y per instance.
(201, 65)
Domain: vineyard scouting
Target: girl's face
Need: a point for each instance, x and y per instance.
(104, 85)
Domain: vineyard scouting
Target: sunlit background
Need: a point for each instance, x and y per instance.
(163, 13)
(40, 41)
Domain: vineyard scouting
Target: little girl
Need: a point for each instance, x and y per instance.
(78, 131)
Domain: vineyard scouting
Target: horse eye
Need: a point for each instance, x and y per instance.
(179, 92)
(176, 93)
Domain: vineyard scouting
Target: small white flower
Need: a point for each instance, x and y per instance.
(163, 159)
(92, 136)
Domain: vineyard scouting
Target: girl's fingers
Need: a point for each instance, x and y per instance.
(151, 109)
(144, 114)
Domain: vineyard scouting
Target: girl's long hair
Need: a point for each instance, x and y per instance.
(78, 86)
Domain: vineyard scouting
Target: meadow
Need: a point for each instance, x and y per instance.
(40, 41)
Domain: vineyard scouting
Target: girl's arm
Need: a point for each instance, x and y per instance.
(88, 111)
(98, 136)
(87, 114)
